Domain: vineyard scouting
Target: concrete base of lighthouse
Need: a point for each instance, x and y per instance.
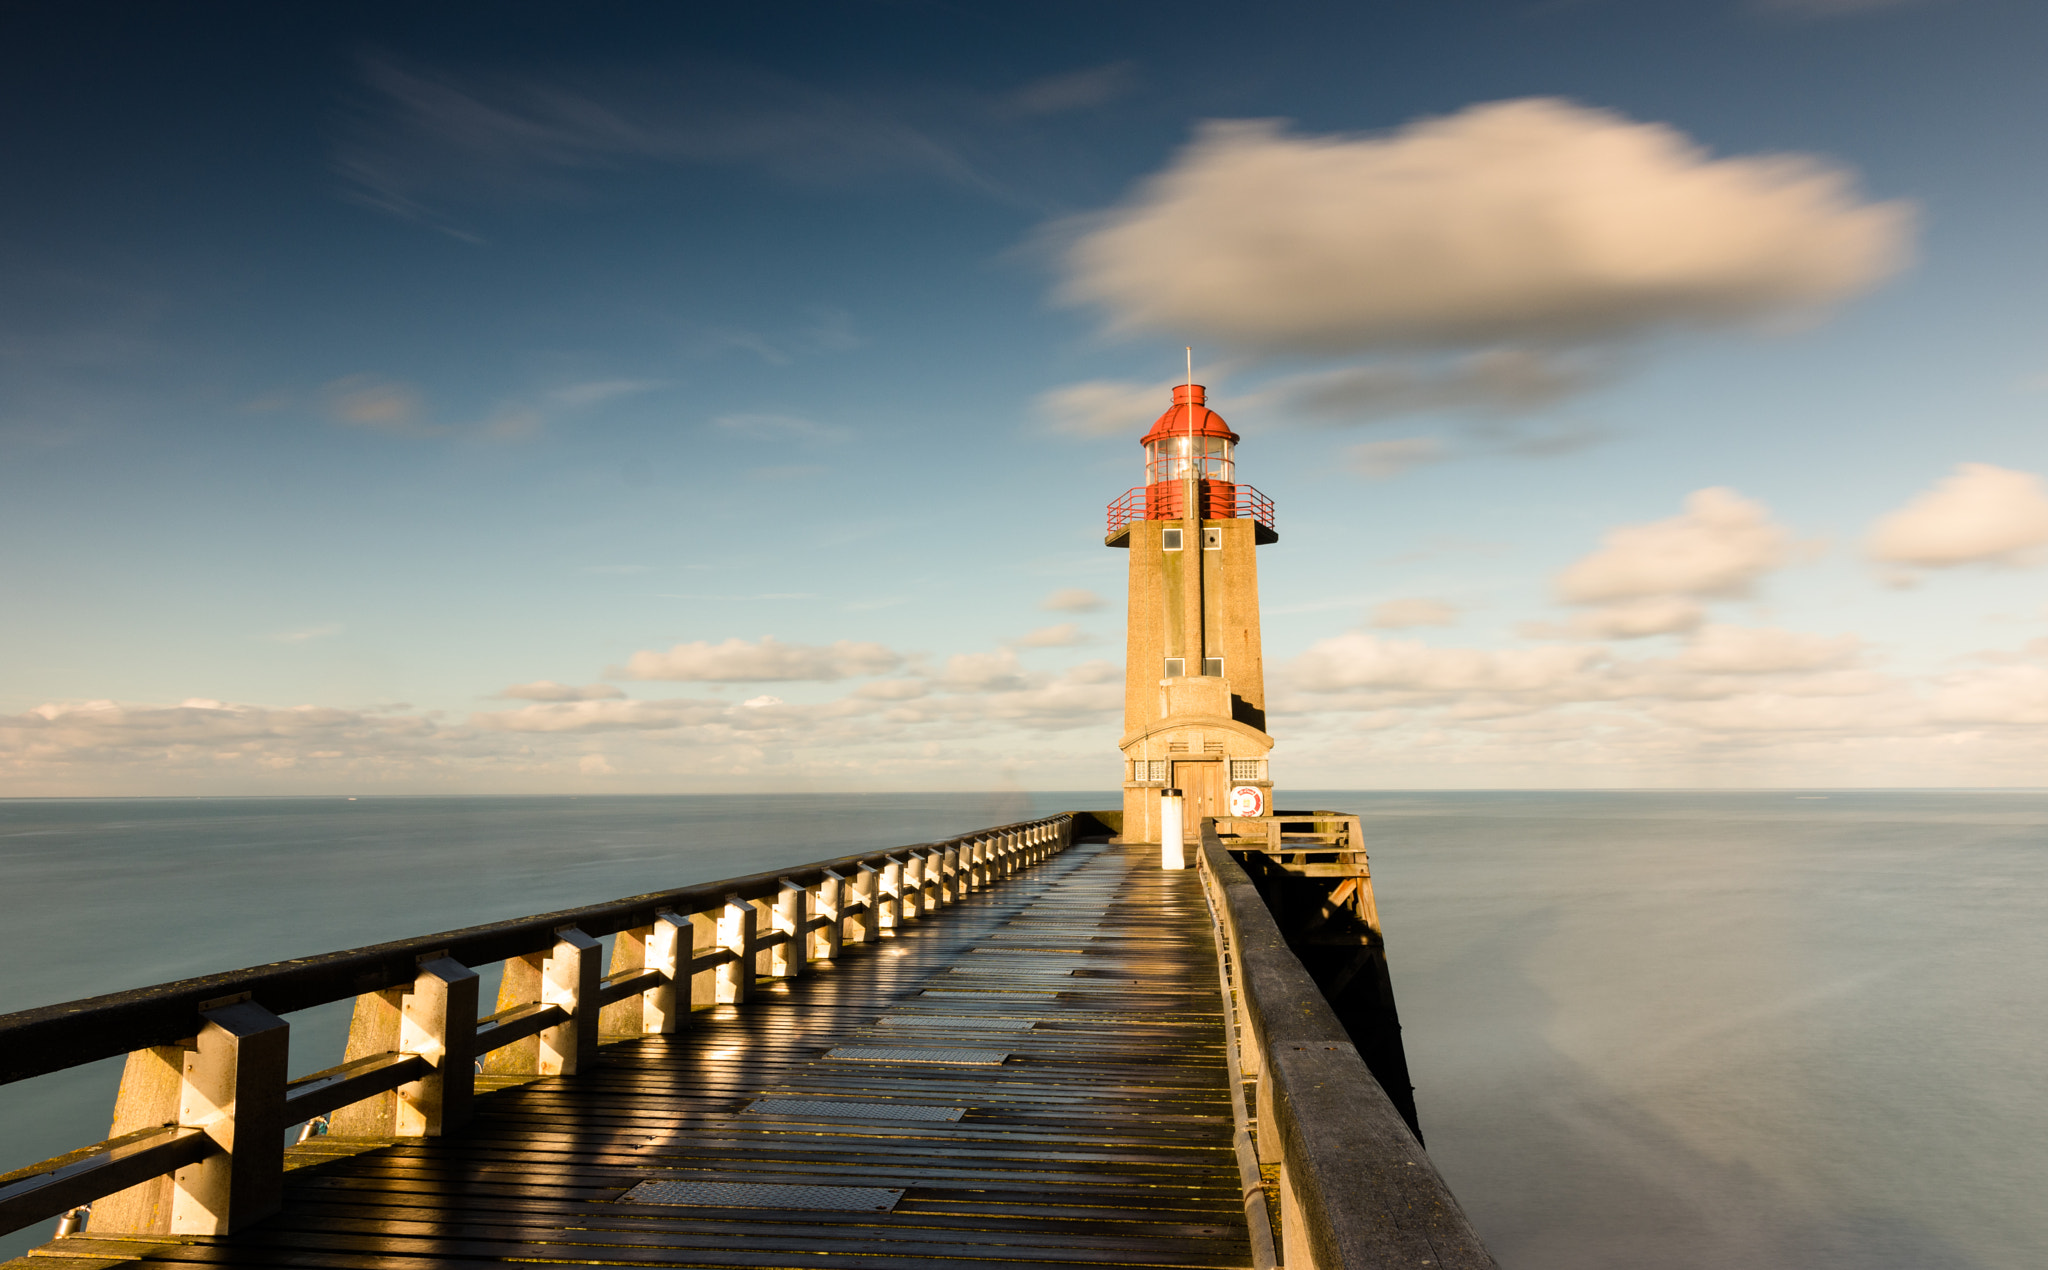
(1195, 747)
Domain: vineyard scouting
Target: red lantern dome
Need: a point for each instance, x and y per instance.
(1189, 434)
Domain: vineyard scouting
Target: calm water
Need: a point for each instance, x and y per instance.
(1647, 1029)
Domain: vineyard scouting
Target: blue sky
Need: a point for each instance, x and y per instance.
(1652, 393)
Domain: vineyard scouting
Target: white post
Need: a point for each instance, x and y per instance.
(910, 897)
(736, 936)
(867, 887)
(829, 899)
(438, 1020)
(233, 1089)
(569, 978)
(1173, 848)
(886, 904)
(786, 960)
(670, 949)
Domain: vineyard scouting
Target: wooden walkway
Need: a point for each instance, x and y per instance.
(1038, 1070)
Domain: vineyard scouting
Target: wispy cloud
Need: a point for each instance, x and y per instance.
(421, 143)
(309, 633)
(1088, 89)
(779, 427)
(598, 391)
(371, 401)
(1382, 460)
(1072, 599)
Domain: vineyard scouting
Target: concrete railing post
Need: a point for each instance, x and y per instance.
(786, 959)
(233, 1090)
(910, 899)
(438, 1022)
(868, 889)
(736, 936)
(670, 947)
(830, 901)
(888, 905)
(569, 978)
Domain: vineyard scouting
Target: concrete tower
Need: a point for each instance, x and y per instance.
(1194, 678)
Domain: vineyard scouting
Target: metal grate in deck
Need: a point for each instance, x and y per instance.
(835, 1199)
(943, 1057)
(838, 1109)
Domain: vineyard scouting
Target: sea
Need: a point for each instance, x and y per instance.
(1789, 1029)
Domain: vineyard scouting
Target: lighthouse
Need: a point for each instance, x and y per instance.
(1194, 677)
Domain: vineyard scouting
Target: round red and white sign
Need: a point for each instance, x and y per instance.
(1247, 800)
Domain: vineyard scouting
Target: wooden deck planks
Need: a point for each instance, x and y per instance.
(1103, 1139)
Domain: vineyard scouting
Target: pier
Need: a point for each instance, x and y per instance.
(1029, 1046)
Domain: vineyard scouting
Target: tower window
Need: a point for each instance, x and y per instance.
(1213, 666)
(1247, 769)
(1212, 540)
(1169, 540)
(1158, 770)
(1176, 667)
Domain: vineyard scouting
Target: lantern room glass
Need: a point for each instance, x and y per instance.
(1167, 459)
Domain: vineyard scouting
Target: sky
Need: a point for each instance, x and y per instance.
(540, 398)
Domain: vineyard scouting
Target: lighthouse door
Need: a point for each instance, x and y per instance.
(1202, 786)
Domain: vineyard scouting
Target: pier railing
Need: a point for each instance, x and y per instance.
(1355, 1189)
(197, 1142)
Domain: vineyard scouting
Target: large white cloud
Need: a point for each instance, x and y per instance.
(1534, 220)
(737, 661)
(1720, 546)
(1978, 514)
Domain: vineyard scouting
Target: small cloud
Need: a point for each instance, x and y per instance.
(1498, 381)
(778, 427)
(1824, 8)
(714, 342)
(786, 472)
(595, 765)
(1633, 619)
(1072, 600)
(511, 424)
(1978, 514)
(737, 661)
(549, 690)
(366, 401)
(1382, 460)
(1064, 635)
(893, 690)
(1103, 407)
(832, 329)
(1074, 90)
(1743, 650)
(598, 391)
(1720, 546)
(1395, 615)
(310, 633)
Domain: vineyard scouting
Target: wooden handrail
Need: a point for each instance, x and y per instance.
(417, 1033)
(54, 1037)
(1357, 1190)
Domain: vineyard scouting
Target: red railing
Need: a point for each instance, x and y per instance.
(1221, 500)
